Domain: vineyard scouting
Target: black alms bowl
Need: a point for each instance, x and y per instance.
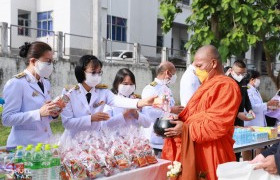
(160, 125)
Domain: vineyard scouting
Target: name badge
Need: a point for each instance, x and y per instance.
(35, 93)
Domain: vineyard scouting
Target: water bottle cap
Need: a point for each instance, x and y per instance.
(55, 146)
(37, 149)
(47, 147)
(30, 145)
(40, 144)
(19, 147)
(28, 148)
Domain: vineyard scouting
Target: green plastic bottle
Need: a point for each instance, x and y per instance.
(27, 158)
(36, 167)
(55, 164)
(47, 157)
(19, 154)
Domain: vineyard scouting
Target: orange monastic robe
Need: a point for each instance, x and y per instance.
(209, 118)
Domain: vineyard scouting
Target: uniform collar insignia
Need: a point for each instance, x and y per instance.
(99, 104)
(35, 93)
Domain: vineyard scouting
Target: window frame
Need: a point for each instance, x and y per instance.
(42, 32)
(23, 30)
(119, 28)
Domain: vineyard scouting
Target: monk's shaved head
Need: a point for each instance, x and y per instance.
(166, 66)
(208, 58)
(207, 53)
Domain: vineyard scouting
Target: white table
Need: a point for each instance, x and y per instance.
(152, 172)
(251, 146)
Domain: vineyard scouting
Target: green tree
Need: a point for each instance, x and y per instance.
(231, 25)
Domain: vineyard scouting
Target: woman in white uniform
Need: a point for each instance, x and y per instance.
(124, 85)
(259, 107)
(84, 112)
(27, 107)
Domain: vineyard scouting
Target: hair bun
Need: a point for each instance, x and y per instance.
(24, 49)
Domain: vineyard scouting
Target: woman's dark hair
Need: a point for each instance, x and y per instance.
(81, 66)
(120, 77)
(252, 74)
(33, 50)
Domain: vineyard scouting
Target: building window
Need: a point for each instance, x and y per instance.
(44, 22)
(118, 27)
(24, 23)
(186, 2)
(159, 43)
(182, 47)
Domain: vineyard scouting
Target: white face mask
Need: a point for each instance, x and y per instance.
(237, 77)
(43, 69)
(92, 80)
(257, 83)
(173, 79)
(126, 90)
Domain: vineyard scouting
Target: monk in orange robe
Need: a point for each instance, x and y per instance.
(202, 139)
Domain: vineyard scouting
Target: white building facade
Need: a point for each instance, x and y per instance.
(88, 26)
(133, 21)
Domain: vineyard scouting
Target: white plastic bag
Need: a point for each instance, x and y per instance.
(243, 171)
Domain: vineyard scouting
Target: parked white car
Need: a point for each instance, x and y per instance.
(121, 55)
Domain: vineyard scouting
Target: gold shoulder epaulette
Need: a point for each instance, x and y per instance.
(68, 87)
(137, 96)
(154, 83)
(77, 87)
(20, 75)
(101, 86)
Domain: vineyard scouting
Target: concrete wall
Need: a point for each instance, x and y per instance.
(64, 75)
(144, 75)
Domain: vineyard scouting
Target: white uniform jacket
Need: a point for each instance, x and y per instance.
(117, 118)
(76, 116)
(157, 87)
(258, 106)
(24, 98)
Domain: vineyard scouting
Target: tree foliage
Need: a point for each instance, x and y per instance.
(231, 25)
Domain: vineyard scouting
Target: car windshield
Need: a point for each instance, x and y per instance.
(115, 54)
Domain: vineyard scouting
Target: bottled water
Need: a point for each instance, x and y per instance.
(55, 164)
(36, 167)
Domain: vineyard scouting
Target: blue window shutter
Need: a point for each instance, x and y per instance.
(114, 20)
(42, 16)
(50, 27)
(45, 26)
(114, 32)
(124, 34)
(39, 27)
(108, 31)
(119, 33)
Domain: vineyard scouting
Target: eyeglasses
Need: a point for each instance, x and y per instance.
(96, 73)
(48, 62)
